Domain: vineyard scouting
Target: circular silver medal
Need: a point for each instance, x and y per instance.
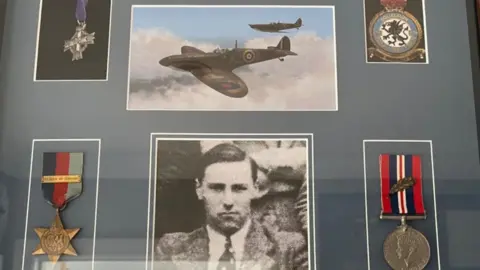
(406, 249)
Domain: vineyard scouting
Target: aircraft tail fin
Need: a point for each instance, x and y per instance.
(299, 22)
(284, 44)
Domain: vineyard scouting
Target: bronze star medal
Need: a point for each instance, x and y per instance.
(61, 183)
(55, 241)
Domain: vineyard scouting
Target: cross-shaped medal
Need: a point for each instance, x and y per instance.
(79, 42)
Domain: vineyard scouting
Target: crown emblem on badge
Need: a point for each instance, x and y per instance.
(391, 5)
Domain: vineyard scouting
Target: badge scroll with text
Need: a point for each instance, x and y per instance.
(396, 35)
(79, 42)
(402, 199)
(61, 183)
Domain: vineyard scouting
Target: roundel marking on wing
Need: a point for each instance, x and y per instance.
(248, 56)
(224, 82)
(229, 85)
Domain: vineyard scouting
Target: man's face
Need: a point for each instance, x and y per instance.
(227, 190)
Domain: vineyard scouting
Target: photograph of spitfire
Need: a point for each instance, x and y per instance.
(232, 58)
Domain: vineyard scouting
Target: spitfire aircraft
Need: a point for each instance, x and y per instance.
(215, 69)
(277, 27)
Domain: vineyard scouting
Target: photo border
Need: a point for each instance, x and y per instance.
(425, 37)
(154, 138)
(99, 142)
(435, 212)
(335, 55)
(109, 43)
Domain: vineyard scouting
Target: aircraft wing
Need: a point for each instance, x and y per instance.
(225, 82)
(191, 60)
(264, 27)
(269, 29)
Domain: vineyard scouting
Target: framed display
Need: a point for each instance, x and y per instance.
(255, 187)
(396, 31)
(202, 135)
(73, 41)
(65, 174)
(388, 161)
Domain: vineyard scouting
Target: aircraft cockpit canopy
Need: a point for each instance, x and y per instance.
(219, 50)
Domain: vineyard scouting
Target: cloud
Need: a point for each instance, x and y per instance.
(303, 82)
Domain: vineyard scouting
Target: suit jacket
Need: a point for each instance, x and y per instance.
(264, 250)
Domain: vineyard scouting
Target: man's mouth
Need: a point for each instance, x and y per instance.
(228, 214)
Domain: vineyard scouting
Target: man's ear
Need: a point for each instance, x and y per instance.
(260, 191)
(198, 189)
(262, 185)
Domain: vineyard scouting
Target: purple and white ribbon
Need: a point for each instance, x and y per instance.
(81, 10)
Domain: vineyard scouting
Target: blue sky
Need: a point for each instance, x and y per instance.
(220, 23)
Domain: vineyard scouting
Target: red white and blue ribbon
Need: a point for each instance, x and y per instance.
(407, 202)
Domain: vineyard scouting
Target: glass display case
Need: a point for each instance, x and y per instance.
(309, 135)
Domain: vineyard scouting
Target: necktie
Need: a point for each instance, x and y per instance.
(227, 261)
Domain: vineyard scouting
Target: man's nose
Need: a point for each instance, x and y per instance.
(228, 207)
(228, 200)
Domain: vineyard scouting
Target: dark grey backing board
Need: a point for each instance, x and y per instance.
(397, 102)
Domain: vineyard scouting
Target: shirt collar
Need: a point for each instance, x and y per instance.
(217, 241)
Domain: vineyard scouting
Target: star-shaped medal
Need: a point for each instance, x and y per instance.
(55, 241)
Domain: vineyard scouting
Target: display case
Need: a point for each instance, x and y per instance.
(308, 135)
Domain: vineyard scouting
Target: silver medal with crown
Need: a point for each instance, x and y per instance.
(406, 248)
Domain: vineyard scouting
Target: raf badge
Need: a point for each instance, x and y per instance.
(61, 183)
(402, 199)
(395, 35)
(79, 42)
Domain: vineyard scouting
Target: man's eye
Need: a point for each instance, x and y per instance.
(239, 188)
(216, 187)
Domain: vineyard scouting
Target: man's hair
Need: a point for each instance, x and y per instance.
(225, 153)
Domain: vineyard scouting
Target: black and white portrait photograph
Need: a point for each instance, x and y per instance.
(231, 204)
(73, 40)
